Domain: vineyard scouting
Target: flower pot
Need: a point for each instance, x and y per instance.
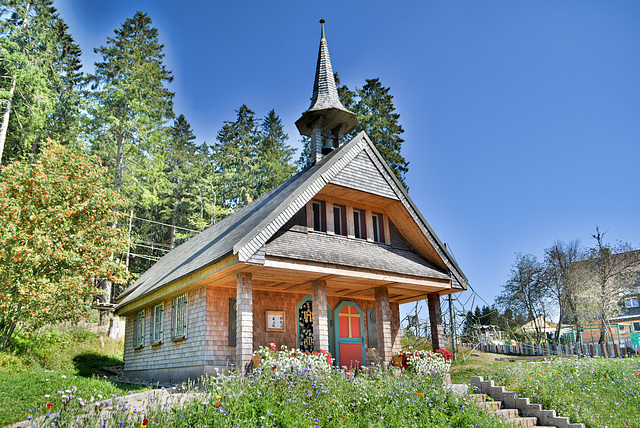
(256, 361)
(397, 361)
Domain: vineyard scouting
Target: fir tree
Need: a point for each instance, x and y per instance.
(235, 156)
(274, 155)
(377, 117)
(132, 106)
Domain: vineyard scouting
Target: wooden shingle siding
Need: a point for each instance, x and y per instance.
(397, 240)
(258, 256)
(362, 174)
(170, 354)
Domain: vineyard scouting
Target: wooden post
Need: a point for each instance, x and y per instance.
(435, 317)
(383, 324)
(244, 320)
(320, 318)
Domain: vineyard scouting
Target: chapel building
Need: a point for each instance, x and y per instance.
(321, 262)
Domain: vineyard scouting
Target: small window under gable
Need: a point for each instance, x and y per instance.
(359, 225)
(378, 227)
(319, 220)
(156, 323)
(179, 317)
(631, 302)
(340, 220)
(138, 329)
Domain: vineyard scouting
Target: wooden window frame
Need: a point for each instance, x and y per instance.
(156, 324)
(322, 223)
(138, 329)
(377, 219)
(179, 317)
(359, 225)
(341, 221)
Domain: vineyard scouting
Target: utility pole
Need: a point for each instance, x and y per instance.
(453, 329)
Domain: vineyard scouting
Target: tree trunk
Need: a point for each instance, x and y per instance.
(119, 163)
(5, 119)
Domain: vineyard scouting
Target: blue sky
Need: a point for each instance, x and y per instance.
(522, 119)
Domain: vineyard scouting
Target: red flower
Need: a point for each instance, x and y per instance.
(145, 421)
(216, 404)
(49, 406)
(272, 345)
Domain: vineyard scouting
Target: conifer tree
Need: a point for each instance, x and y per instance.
(181, 160)
(132, 105)
(235, 156)
(39, 75)
(377, 117)
(274, 155)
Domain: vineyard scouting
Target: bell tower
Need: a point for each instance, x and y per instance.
(326, 121)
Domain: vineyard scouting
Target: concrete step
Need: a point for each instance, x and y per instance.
(524, 422)
(490, 406)
(507, 413)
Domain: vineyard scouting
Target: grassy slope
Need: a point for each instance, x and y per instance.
(58, 360)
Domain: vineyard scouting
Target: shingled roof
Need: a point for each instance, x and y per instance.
(247, 230)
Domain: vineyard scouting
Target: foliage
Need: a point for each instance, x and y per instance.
(489, 316)
(608, 273)
(526, 291)
(292, 361)
(132, 104)
(40, 78)
(426, 363)
(56, 218)
(273, 154)
(597, 392)
(560, 262)
(336, 399)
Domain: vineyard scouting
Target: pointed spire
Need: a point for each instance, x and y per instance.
(325, 102)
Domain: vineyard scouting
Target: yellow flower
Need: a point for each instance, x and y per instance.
(131, 412)
(218, 397)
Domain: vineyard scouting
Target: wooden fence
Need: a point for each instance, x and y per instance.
(532, 349)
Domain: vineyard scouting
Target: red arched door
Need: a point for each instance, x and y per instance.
(349, 321)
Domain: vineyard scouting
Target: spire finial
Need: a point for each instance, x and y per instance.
(322, 21)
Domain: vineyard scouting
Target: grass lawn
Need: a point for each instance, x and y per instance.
(598, 392)
(34, 370)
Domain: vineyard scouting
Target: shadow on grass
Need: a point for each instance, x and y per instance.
(89, 363)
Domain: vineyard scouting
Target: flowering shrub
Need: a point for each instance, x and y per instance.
(427, 363)
(292, 361)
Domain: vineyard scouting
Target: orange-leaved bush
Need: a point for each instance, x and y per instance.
(57, 217)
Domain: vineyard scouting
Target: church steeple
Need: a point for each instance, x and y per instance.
(327, 120)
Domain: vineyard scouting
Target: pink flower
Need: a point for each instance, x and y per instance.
(272, 345)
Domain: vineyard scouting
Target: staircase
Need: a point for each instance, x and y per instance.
(519, 411)
(511, 415)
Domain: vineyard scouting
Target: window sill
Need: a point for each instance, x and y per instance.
(156, 343)
(138, 347)
(178, 339)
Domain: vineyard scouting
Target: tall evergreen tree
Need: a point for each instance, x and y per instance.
(377, 117)
(181, 159)
(39, 58)
(274, 155)
(235, 156)
(132, 105)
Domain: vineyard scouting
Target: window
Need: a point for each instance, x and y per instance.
(359, 227)
(636, 326)
(621, 328)
(378, 227)
(319, 220)
(156, 323)
(339, 220)
(138, 329)
(179, 317)
(631, 302)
